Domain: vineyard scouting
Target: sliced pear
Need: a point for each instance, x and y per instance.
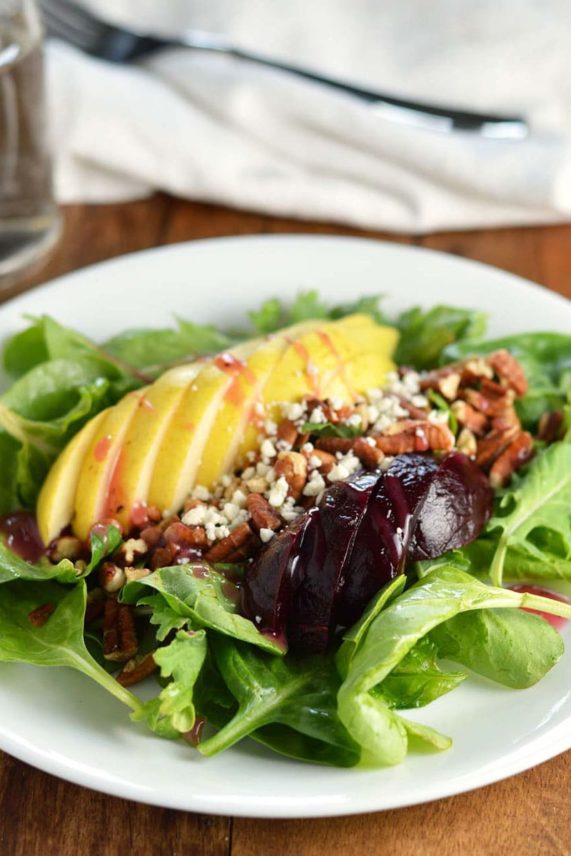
(56, 500)
(143, 439)
(97, 488)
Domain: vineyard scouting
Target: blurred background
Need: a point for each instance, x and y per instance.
(222, 129)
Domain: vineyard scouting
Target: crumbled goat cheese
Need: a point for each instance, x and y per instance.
(278, 492)
(315, 484)
(266, 535)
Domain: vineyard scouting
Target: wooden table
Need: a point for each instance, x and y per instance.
(528, 814)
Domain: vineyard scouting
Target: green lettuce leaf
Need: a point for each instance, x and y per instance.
(172, 712)
(426, 334)
(201, 594)
(287, 704)
(58, 642)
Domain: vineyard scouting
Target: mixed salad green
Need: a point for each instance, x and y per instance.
(341, 708)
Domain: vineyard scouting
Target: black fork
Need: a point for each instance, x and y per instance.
(71, 23)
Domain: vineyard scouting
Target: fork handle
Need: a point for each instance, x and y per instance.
(406, 111)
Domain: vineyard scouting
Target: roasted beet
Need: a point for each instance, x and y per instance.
(335, 527)
(380, 548)
(453, 511)
(324, 568)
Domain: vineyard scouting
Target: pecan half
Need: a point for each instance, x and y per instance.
(334, 444)
(95, 605)
(415, 436)
(493, 444)
(119, 637)
(293, 467)
(262, 514)
(370, 456)
(136, 670)
(111, 577)
(287, 432)
(469, 417)
(509, 371)
(512, 458)
(181, 535)
(238, 540)
(488, 401)
(38, 616)
(446, 381)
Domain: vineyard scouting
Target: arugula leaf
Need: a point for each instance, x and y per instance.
(299, 695)
(534, 512)
(198, 592)
(102, 543)
(366, 305)
(58, 642)
(268, 318)
(331, 429)
(172, 712)
(425, 334)
(512, 647)
(162, 616)
(439, 596)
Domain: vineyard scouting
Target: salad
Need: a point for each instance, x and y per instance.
(294, 532)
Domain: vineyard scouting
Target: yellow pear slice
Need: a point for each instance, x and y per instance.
(57, 497)
(99, 477)
(143, 439)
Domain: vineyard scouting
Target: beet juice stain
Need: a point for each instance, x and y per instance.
(21, 535)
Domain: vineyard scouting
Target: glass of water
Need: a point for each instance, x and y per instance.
(29, 219)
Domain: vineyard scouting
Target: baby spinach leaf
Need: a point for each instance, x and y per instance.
(299, 695)
(172, 712)
(25, 350)
(12, 568)
(512, 647)
(425, 334)
(418, 679)
(198, 592)
(102, 543)
(436, 598)
(535, 509)
(58, 642)
(268, 318)
(366, 305)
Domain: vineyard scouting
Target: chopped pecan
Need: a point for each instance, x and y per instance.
(181, 535)
(111, 577)
(487, 401)
(505, 419)
(469, 417)
(152, 535)
(467, 443)
(326, 460)
(163, 557)
(493, 444)
(474, 369)
(95, 605)
(446, 381)
(135, 574)
(238, 539)
(509, 371)
(119, 637)
(293, 467)
(136, 670)
(415, 436)
(412, 410)
(550, 426)
(334, 444)
(287, 432)
(519, 451)
(38, 616)
(262, 514)
(369, 455)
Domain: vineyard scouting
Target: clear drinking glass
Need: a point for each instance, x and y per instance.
(29, 219)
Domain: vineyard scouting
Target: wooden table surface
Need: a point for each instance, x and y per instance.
(528, 814)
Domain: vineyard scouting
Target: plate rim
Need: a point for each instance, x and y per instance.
(543, 748)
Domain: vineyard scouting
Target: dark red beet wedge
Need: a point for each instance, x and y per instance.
(340, 513)
(323, 569)
(453, 511)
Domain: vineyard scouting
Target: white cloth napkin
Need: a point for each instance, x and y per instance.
(222, 130)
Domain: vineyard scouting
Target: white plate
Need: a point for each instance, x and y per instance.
(62, 723)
